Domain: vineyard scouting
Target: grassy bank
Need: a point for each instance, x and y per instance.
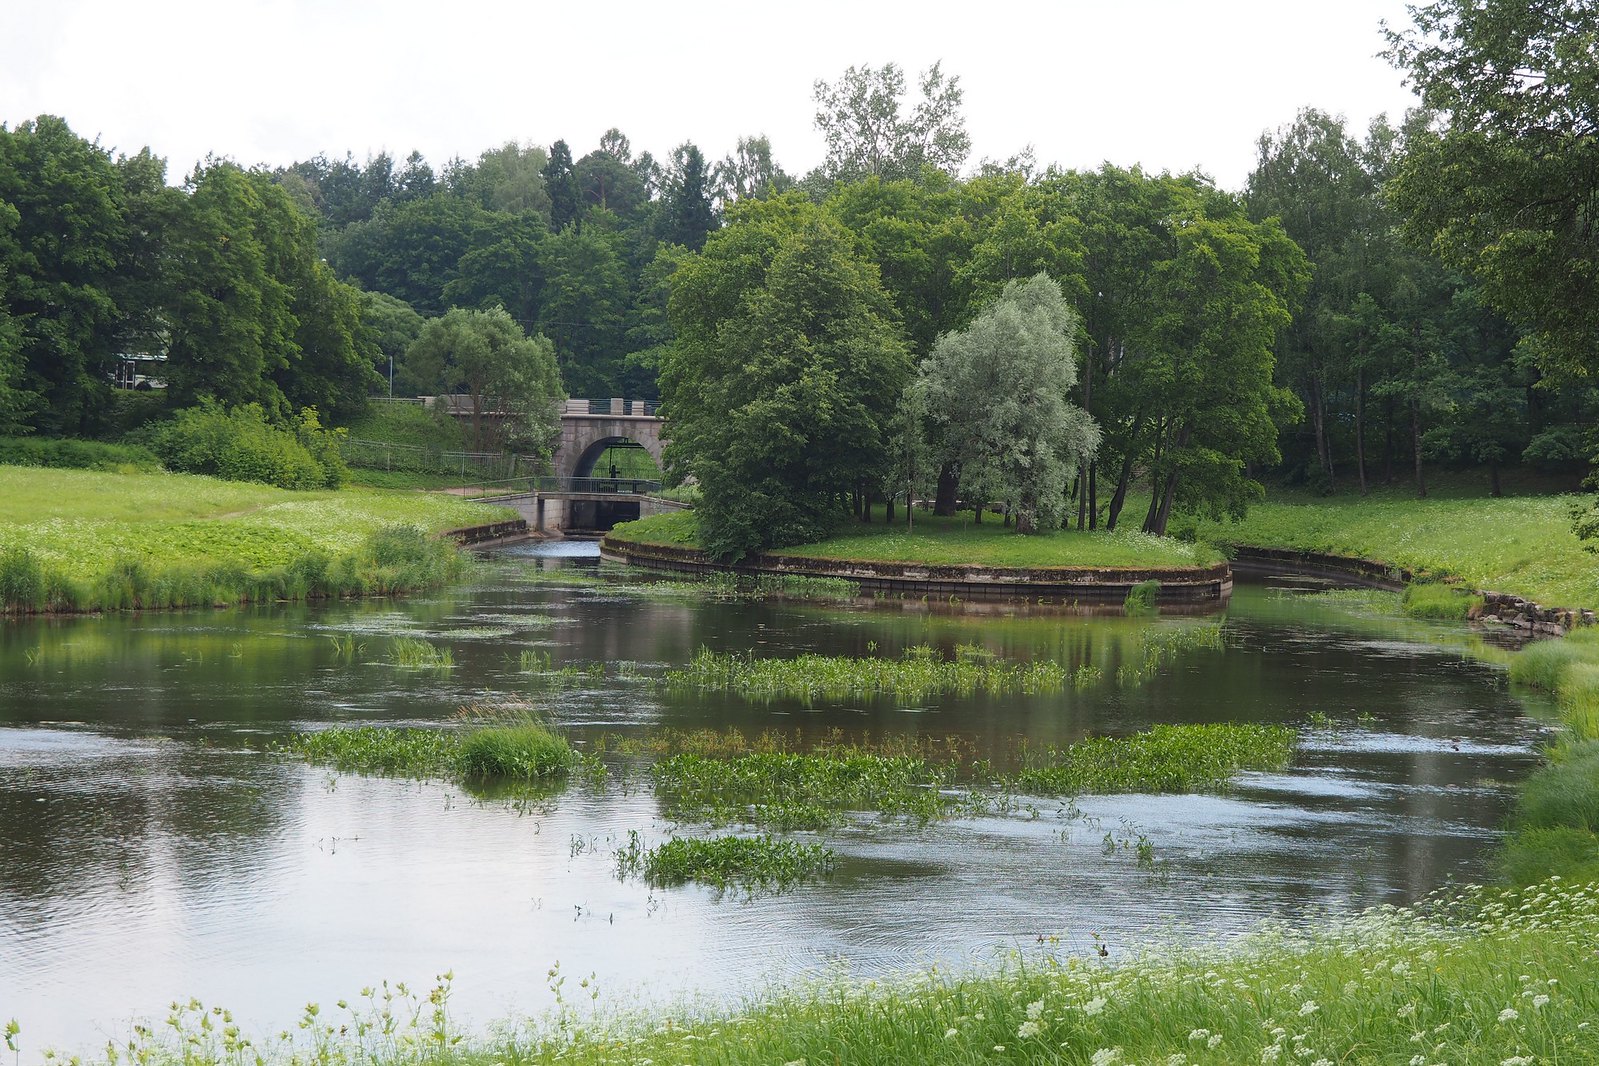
(954, 541)
(1519, 545)
(84, 540)
(1555, 826)
(1489, 978)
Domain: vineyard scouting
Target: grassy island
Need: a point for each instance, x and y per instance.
(82, 540)
(955, 540)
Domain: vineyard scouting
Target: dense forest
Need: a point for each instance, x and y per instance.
(1325, 326)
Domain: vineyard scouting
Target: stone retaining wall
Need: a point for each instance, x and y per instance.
(1057, 585)
(494, 532)
(1497, 606)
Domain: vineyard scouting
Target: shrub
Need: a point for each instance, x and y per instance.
(77, 455)
(241, 445)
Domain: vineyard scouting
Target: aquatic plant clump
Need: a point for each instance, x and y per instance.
(1167, 758)
(748, 863)
(787, 790)
(525, 750)
(918, 675)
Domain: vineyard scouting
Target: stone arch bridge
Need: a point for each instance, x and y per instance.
(574, 498)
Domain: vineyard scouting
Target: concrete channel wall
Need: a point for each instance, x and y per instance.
(1046, 585)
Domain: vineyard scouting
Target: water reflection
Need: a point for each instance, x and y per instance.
(152, 850)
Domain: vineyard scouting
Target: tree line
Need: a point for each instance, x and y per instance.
(1353, 313)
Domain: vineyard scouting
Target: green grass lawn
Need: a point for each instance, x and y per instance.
(81, 522)
(1521, 545)
(956, 540)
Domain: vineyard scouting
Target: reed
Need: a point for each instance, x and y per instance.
(412, 653)
(1167, 758)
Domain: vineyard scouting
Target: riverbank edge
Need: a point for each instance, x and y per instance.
(1501, 607)
(1065, 586)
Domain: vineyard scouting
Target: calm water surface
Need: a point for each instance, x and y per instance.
(151, 848)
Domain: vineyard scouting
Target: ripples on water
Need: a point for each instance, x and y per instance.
(152, 852)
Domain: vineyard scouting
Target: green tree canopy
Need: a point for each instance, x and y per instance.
(1504, 184)
(868, 134)
(781, 381)
(511, 380)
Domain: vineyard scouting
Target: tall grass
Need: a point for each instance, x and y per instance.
(521, 751)
(1555, 825)
(1434, 600)
(412, 653)
(386, 562)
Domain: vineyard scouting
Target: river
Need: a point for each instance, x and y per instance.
(153, 847)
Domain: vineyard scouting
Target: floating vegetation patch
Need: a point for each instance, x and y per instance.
(764, 863)
(379, 750)
(515, 747)
(789, 790)
(412, 654)
(1167, 758)
(730, 742)
(918, 675)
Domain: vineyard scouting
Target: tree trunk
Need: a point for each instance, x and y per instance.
(1125, 475)
(1168, 493)
(1318, 417)
(1093, 495)
(977, 511)
(1493, 479)
(888, 509)
(1388, 442)
(1081, 492)
(1415, 443)
(1360, 427)
(949, 479)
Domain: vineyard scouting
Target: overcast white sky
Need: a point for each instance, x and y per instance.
(1171, 84)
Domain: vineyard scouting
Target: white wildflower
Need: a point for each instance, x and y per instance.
(1027, 1030)
(1198, 1035)
(951, 1034)
(1540, 1000)
(1270, 1053)
(1308, 1008)
(1105, 1056)
(1094, 1006)
(1035, 1009)
(1214, 1042)
(1408, 1010)
(1509, 1014)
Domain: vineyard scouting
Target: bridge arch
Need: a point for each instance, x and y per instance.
(585, 434)
(584, 464)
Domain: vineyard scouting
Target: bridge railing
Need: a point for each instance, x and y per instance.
(614, 406)
(621, 486)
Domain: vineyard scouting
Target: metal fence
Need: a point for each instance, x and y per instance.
(478, 466)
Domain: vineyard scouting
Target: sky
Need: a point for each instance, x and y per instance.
(1168, 84)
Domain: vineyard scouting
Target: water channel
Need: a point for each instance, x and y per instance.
(153, 848)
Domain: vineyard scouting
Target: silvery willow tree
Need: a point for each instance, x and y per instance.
(994, 397)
